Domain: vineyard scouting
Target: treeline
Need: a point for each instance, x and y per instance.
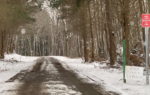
(13, 13)
(92, 29)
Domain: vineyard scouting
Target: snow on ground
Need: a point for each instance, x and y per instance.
(11, 65)
(16, 57)
(109, 77)
(8, 69)
(95, 72)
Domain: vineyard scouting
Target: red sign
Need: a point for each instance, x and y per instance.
(145, 20)
(145, 16)
(145, 23)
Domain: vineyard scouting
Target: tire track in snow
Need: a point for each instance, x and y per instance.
(49, 77)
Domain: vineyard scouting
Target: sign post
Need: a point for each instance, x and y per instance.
(146, 25)
(147, 55)
(124, 61)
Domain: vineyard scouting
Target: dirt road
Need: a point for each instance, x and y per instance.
(48, 77)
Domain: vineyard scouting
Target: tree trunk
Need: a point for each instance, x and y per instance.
(2, 45)
(126, 28)
(91, 33)
(112, 47)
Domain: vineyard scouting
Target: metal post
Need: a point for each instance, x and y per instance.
(124, 61)
(147, 55)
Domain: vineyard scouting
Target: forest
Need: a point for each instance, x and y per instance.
(90, 29)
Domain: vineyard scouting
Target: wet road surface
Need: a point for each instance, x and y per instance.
(49, 77)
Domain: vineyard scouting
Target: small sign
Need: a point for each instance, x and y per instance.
(145, 23)
(145, 20)
(134, 73)
(145, 16)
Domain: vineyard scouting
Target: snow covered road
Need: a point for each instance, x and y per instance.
(48, 77)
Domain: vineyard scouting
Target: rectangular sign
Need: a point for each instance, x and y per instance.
(145, 23)
(134, 73)
(145, 16)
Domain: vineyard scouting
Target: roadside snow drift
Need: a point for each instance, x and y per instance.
(10, 66)
(13, 64)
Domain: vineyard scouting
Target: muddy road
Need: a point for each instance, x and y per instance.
(49, 77)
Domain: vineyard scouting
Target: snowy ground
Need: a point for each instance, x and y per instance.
(110, 78)
(96, 73)
(10, 66)
(44, 78)
(13, 64)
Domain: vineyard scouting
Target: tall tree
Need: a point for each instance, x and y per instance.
(125, 26)
(109, 19)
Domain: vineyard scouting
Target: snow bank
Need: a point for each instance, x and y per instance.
(110, 78)
(8, 69)
(10, 66)
(13, 64)
(16, 57)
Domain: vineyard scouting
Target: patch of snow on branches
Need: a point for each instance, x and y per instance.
(52, 12)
